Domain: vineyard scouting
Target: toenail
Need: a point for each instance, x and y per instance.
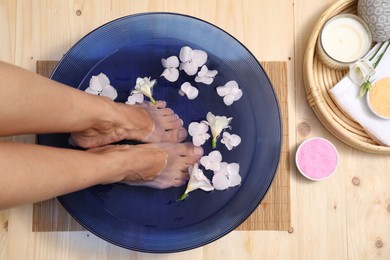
(198, 151)
(181, 122)
(182, 134)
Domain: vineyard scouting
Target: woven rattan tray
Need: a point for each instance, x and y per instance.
(319, 79)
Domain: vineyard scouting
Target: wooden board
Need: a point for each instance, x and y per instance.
(273, 213)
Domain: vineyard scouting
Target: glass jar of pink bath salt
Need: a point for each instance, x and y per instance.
(317, 158)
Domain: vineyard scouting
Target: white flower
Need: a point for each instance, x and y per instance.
(205, 75)
(212, 161)
(190, 91)
(198, 131)
(171, 73)
(227, 176)
(361, 71)
(100, 85)
(145, 87)
(217, 125)
(135, 98)
(230, 140)
(197, 181)
(191, 60)
(230, 92)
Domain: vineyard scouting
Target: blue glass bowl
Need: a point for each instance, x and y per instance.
(150, 220)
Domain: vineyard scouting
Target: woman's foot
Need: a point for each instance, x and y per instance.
(174, 173)
(168, 127)
(147, 122)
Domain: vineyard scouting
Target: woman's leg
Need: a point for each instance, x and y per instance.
(30, 103)
(30, 173)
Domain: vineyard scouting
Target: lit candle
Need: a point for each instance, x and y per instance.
(343, 39)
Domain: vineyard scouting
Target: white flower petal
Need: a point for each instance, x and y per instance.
(135, 98)
(360, 71)
(205, 136)
(145, 86)
(211, 118)
(220, 182)
(110, 92)
(186, 53)
(194, 129)
(189, 90)
(237, 94)
(223, 91)
(204, 80)
(211, 73)
(203, 71)
(230, 141)
(234, 180)
(232, 84)
(89, 90)
(171, 74)
(193, 93)
(212, 161)
(233, 169)
(203, 127)
(94, 84)
(199, 57)
(197, 180)
(228, 99)
(98, 82)
(171, 62)
(198, 140)
(189, 67)
(216, 156)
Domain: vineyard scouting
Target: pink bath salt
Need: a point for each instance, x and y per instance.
(317, 158)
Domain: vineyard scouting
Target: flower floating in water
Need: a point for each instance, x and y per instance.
(230, 140)
(361, 71)
(227, 176)
(230, 92)
(145, 86)
(190, 91)
(197, 181)
(217, 125)
(135, 98)
(171, 73)
(205, 75)
(191, 60)
(212, 161)
(199, 134)
(100, 85)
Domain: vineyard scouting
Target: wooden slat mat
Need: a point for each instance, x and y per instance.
(272, 214)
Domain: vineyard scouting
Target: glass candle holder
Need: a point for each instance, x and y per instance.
(343, 39)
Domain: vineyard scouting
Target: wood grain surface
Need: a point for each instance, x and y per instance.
(272, 214)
